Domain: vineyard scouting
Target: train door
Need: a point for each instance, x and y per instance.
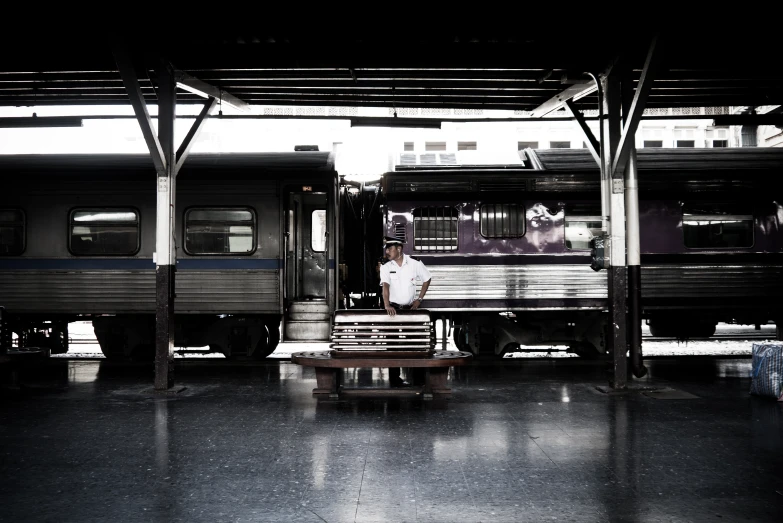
(307, 311)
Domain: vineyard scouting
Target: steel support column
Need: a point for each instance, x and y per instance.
(613, 210)
(165, 248)
(633, 248)
(634, 266)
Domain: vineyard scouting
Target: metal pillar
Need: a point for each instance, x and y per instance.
(634, 266)
(167, 163)
(633, 249)
(165, 248)
(613, 210)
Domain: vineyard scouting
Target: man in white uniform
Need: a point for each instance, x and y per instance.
(398, 279)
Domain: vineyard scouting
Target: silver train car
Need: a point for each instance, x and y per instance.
(509, 246)
(257, 238)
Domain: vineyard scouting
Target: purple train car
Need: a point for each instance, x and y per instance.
(508, 245)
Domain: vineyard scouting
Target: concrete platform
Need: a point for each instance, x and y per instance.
(518, 440)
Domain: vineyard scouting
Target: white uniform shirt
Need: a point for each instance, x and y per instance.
(402, 279)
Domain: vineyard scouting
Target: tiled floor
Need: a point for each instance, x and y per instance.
(519, 440)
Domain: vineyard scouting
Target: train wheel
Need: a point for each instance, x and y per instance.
(459, 340)
(264, 347)
(457, 336)
(274, 336)
(113, 352)
(508, 349)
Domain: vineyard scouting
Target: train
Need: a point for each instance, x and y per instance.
(271, 245)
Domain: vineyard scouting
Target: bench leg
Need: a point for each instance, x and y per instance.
(327, 379)
(436, 382)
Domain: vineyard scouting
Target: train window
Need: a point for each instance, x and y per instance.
(502, 220)
(579, 230)
(216, 230)
(12, 232)
(711, 228)
(318, 230)
(104, 231)
(435, 229)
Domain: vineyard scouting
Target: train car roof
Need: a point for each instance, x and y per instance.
(574, 170)
(663, 159)
(299, 160)
(650, 159)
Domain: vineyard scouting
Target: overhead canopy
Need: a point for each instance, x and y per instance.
(432, 68)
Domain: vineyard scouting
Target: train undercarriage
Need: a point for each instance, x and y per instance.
(132, 336)
(583, 332)
(500, 334)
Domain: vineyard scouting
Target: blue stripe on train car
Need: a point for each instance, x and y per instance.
(72, 264)
(228, 263)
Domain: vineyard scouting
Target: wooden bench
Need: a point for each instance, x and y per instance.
(364, 338)
(328, 372)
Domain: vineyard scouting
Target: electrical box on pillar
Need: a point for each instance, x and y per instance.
(598, 252)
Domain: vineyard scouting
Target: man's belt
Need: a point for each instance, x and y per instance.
(399, 307)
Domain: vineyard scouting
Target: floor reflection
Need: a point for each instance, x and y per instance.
(514, 442)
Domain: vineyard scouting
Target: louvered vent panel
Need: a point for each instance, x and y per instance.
(498, 185)
(431, 186)
(399, 231)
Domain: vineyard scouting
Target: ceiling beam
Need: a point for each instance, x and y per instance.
(592, 142)
(637, 108)
(749, 119)
(205, 90)
(130, 80)
(195, 129)
(559, 100)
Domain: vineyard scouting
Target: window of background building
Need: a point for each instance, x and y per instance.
(407, 146)
(525, 145)
(466, 146)
(435, 146)
(718, 137)
(685, 137)
(435, 229)
(12, 232)
(559, 145)
(653, 137)
(103, 231)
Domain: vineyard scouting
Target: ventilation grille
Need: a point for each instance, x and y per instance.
(503, 185)
(399, 232)
(431, 186)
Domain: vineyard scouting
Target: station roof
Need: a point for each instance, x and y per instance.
(432, 68)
